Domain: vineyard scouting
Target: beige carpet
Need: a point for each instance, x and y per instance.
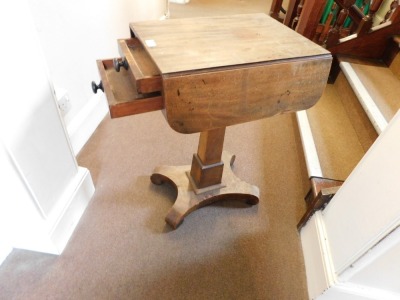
(122, 248)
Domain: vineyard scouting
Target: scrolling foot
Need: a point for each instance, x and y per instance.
(189, 198)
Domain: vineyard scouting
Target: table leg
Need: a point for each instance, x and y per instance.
(209, 179)
(207, 165)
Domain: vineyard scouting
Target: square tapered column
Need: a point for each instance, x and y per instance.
(207, 165)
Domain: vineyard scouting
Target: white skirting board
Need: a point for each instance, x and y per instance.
(51, 234)
(79, 195)
(309, 148)
(374, 114)
(322, 280)
(82, 126)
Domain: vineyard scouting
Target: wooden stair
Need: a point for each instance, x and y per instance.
(377, 89)
(338, 131)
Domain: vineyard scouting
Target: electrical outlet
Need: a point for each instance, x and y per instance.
(63, 100)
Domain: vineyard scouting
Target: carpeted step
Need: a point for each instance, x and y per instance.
(337, 132)
(332, 135)
(335, 135)
(376, 87)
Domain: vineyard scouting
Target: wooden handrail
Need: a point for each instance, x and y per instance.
(354, 12)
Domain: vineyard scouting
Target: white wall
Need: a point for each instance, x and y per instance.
(75, 33)
(380, 14)
(28, 111)
(368, 202)
(351, 248)
(6, 189)
(381, 269)
(43, 191)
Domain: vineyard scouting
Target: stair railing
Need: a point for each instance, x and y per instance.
(348, 10)
(328, 21)
(276, 6)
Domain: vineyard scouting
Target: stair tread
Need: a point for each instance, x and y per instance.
(337, 143)
(383, 87)
(379, 81)
(360, 60)
(356, 113)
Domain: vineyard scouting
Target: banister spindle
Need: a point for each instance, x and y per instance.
(395, 16)
(334, 33)
(327, 25)
(367, 21)
(298, 13)
(392, 8)
(375, 5)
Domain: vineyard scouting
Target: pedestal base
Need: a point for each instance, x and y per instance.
(231, 188)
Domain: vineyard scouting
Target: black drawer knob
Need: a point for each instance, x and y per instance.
(96, 87)
(118, 63)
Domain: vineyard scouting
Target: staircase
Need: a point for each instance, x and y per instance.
(363, 94)
(338, 131)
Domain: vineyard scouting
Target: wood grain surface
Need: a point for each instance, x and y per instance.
(178, 45)
(208, 100)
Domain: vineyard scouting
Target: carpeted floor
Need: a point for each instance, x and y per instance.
(122, 248)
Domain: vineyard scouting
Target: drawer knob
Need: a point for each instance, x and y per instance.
(96, 87)
(120, 63)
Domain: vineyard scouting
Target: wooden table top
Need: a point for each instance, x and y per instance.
(179, 45)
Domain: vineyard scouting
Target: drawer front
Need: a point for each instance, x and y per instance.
(145, 74)
(122, 95)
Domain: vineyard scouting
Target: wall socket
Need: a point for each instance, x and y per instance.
(63, 100)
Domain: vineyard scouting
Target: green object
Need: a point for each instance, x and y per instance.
(327, 10)
(347, 23)
(366, 8)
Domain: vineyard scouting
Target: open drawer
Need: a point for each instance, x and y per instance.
(145, 73)
(122, 96)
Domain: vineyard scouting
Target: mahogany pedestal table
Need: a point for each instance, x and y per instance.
(207, 74)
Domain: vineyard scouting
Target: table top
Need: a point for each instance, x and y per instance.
(180, 45)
